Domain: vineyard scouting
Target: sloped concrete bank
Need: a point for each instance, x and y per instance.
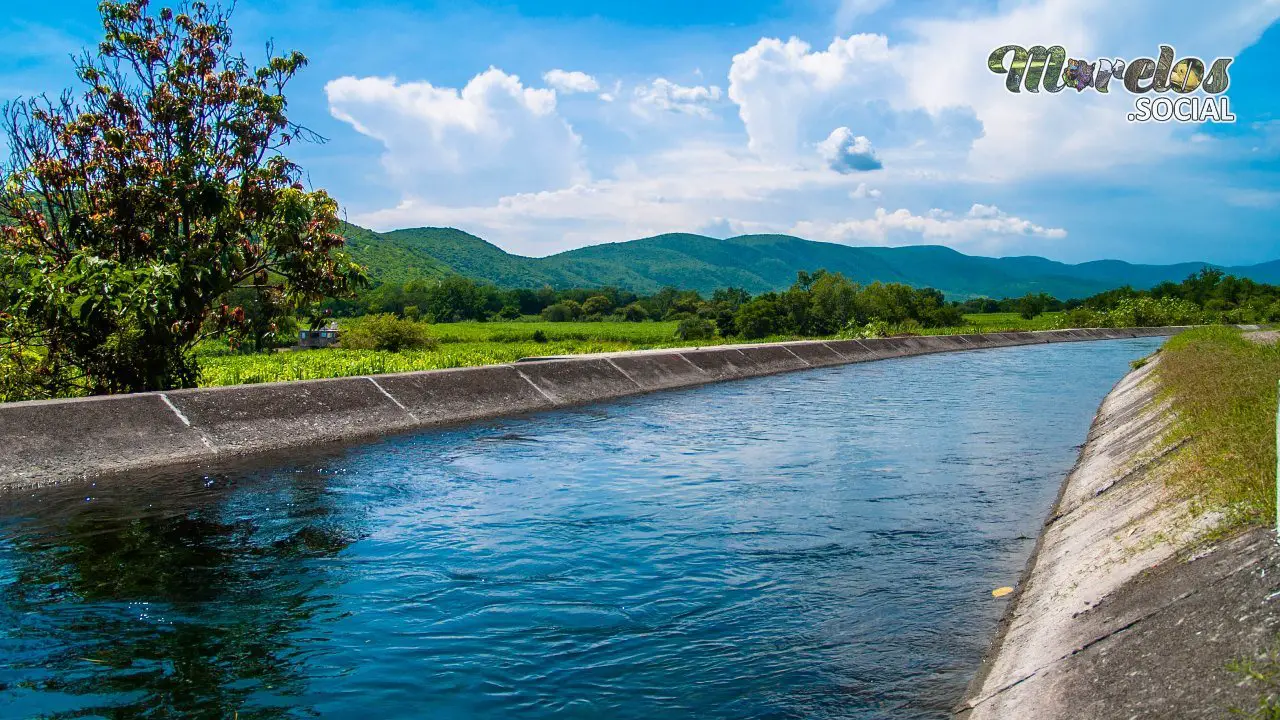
(60, 440)
(1123, 612)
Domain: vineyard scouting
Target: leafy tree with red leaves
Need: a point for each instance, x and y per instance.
(133, 209)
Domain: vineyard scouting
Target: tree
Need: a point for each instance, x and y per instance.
(634, 312)
(833, 303)
(597, 305)
(1031, 305)
(455, 298)
(562, 312)
(758, 318)
(133, 208)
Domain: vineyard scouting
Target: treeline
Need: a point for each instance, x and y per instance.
(1207, 297)
(819, 303)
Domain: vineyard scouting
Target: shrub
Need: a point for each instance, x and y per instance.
(695, 329)
(509, 312)
(757, 319)
(873, 329)
(597, 305)
(386, 332)
(566, 311)
(634, 313)
(539, 336)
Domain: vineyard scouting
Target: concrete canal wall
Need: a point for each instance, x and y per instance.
(1125, 609)
(54, 441)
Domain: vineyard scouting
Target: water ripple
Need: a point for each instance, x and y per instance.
(816, 545)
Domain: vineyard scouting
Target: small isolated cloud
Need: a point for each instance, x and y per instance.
(862, 192)
(569, 82)
(985, 225)
(847, 153)
(664, 95)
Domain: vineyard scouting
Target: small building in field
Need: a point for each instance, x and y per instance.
(326, 336)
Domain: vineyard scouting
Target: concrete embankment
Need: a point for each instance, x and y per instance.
(1124, 611)
(60, 440)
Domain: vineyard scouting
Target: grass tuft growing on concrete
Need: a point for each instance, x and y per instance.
(1223, 389)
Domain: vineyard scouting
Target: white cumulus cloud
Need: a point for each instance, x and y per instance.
(985, 226)
(569, 82)
(492, 137)
(664, 95)
(847, 153)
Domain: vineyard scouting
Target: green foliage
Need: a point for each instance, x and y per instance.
(634, 312)
(336, 362)
(757, 319)
(562, 312)
(756, 263)
(1033, 304)
(385, 332)
(597, 306)
(695, 328)
(1222, 389)
(1263, 674)
(137, 208)
(1139, 311)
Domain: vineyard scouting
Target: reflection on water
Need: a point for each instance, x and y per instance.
(820, 544)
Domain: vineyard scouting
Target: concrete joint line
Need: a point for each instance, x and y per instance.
(875, 354)
(624, 373)
(793, 354)
(540, 391)
(695, 367)
(187, 422)
(833, 351)
(393, 399)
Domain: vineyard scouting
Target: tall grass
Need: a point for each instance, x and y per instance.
(1223, 389)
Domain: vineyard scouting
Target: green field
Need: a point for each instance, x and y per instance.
(992, 322)
(486, 343)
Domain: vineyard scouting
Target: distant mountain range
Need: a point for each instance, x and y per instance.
(757, 263)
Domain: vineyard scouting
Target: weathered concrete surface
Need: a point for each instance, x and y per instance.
(660, 371)
(770, 359)
(569, 382)
(722, 363)
(464, 394)
(1111, 620)
(61, 440)
(854, 350)
(70, 438)
(816, 354)
(250, 418)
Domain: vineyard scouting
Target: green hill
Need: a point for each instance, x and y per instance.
(757, 263)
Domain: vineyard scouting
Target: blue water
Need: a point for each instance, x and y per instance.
(813, 545)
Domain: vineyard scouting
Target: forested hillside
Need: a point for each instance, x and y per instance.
(756, 263)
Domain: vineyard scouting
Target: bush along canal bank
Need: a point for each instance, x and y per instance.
(212, 427)
(1154, 589)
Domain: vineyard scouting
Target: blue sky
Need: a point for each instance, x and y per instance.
(543, 126)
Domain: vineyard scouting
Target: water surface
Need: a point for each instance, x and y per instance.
(813, 545)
